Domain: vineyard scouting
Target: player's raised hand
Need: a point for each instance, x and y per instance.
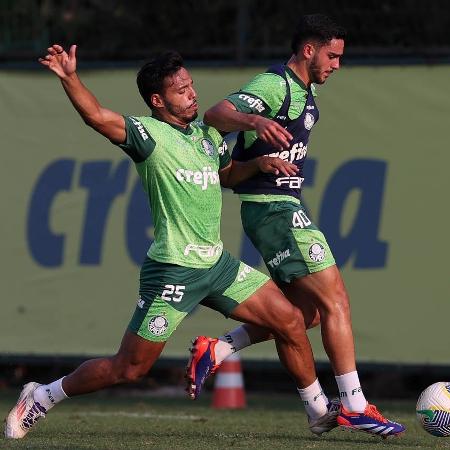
(269, 164)
(59, 61)
(273, 133)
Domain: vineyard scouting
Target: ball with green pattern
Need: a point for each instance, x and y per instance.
(433, 409)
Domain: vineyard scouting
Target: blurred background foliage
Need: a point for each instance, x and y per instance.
(228, 31)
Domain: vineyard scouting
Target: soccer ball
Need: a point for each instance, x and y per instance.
(433, 409)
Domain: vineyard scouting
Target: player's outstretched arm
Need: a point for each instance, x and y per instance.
(225, 117)
(238, 171)
(108, 123)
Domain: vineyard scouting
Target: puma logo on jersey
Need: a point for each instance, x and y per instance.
(140, 128)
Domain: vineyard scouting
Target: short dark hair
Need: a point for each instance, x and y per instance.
(318, 27)
(151, 76)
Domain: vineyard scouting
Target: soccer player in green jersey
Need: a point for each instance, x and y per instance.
(181, 164)
(274, 114)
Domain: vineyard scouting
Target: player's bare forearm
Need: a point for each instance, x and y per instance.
(105, 121)
(239, 171)
(224, 117)
(82, 99)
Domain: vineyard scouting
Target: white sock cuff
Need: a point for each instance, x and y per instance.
(49, 395)
(61, 387)
(350, 392)
(349, 374)
(314, 399)
(237, 338)
(313, 387)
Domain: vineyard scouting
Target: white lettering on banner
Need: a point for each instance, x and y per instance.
(298, 151)
(204, 251)
(292, 182)
(202, 178)
(253, 102)
(280, 256)
(140, 128)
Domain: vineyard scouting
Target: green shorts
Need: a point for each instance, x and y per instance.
(290, 244)
(169, 292)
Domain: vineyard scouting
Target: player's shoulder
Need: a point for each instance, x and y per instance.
(139, 122)
(147, 121)
(264, 81)
(151, 126)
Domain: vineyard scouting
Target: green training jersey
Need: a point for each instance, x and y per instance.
(265, 94)
(179, 171)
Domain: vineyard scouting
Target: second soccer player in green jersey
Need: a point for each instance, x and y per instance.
(274, 114)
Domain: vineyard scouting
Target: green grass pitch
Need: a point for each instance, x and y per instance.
(142, 421)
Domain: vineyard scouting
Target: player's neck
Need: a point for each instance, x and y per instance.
(299, 68)
(170, 119)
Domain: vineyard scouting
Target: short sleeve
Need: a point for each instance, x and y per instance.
(139, 144)
(263, 95)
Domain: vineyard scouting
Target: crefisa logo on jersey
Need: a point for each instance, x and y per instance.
(309, 121)
(317, 252)
(208, 147)
(158, 325)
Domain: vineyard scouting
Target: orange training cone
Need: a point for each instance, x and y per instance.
(229, 385)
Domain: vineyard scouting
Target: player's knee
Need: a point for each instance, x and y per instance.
(126, 371)
(133, 373)
(312, 319)
(337, 304)
(291, 325)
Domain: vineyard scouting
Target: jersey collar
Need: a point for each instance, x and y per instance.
(188, 130)
(295, 78)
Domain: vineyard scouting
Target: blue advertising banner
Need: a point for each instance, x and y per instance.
(76, 224)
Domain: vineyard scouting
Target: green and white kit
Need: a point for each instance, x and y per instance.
(186, 264)
(279, 227)
(289, 242)
(168, 293)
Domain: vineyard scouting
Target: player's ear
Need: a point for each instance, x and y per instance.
(157, 101)
(308, 50)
